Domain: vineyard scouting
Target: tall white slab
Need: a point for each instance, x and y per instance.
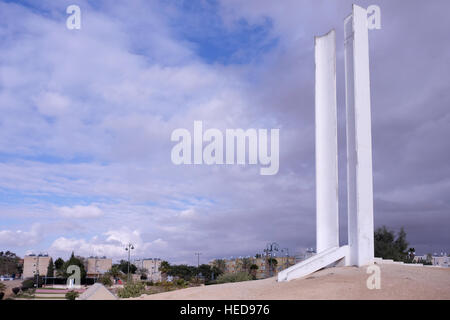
(359, 139)
(327, 215)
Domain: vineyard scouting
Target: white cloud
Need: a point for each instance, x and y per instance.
(79, 212)
(19, 238)
(112, 244)
(51, 103)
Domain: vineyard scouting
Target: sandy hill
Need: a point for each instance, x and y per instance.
(397, 282)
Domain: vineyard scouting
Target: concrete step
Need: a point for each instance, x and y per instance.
(313, 264)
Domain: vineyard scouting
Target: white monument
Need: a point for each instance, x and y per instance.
(360, 248)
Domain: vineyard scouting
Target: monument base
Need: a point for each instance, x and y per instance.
(329, 257)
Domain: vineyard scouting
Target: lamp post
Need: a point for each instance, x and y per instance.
(286, 250)
(271, 247)
(198, 264)
(129, 248)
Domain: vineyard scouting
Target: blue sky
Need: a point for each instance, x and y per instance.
(87, 117)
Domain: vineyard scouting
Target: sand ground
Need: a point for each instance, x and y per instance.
(9, 286)
(397, 282)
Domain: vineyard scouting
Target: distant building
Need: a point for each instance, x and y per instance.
(96, 267)
(35, 264)
(151, 268)
(441, 261)
(234, 265)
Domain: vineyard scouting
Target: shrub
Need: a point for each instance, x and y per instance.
(181, 282)
(2, 289)
(131, 290)
(72, 295)
(149, 283)
(16, 290)
(234, 277)
(105, 280)
(27, 284)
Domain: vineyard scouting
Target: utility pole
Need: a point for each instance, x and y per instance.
(198, 263)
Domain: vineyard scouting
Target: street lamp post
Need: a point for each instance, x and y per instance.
(129, 248)
(198, 264)
(271, 247)
(286, 250)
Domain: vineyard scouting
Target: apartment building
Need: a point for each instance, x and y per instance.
(96, 266)
(35, 264)
(151, 266)
(440, 261)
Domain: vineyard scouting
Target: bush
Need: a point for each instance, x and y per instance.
(27, 284)
(181, 283)
(105, 280)
(149, 283)
(131, 290)
(72, 295)
(234, 277)
(16, 290)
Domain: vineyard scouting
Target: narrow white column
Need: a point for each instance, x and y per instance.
(359, 138)
(327, 215)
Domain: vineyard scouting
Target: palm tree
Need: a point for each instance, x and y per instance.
(220, 264)
(246, 264)
(253, 269)
(114, 271)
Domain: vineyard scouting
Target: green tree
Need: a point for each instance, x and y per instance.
(9, 263)
(164, 267)
(220, 264)
(411, 254)
(105, 280)
(123, 266)
(272, 263)
(246, 264)
(388, 246)
(50, 268)
(72, 295)
(59, 263)
(206, 271)
(114, 271)
(182, 271)
(143, 272)
(253, 270)
(77, 261)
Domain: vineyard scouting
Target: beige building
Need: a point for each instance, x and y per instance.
(234, 265)
(151, 268)
(440, 261)
(35, 264)
(97, 266)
